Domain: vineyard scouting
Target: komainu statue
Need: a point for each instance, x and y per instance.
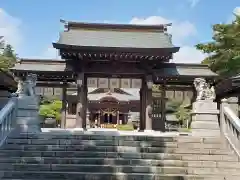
(20, 86)
(204, 91)
(27, 87)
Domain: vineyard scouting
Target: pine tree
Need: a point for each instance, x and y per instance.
(9, 52)
(7, 58)
(224, 51)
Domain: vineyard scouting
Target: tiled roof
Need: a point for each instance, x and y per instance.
(167, 69)
(40, 65)
(185, 70)
(116, 36)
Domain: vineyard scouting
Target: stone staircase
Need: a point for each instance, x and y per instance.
(102, 156)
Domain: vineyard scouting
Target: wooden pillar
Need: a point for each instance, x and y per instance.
(148, 106)
(88, 116)
(99, 118)
(81, 101)
(64, 106)
(142, 94)
(117, 117)
(163, 107)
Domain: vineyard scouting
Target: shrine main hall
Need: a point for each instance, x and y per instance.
(109, 58)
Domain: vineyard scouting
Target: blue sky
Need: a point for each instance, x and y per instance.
(31, 26)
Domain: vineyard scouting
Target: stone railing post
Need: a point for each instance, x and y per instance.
(205, 119)
(224, 103)
(233, 104)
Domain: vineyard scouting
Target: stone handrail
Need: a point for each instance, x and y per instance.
(230, 126)
(7, 118)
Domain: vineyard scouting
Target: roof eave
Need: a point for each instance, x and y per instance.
(28, 60)
(59, 46)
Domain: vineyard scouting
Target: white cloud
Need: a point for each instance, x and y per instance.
(232, 17)
(10, 29)
(188, 54)
(51, 53)
(237, 11)
(150, 20)
(180, 31)
(193, 3)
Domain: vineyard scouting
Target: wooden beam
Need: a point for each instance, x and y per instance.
(113, 55)
(55, 84)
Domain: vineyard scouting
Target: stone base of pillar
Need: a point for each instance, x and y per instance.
(148, 131)
(27, 119)
(79, 129)
(205, 119)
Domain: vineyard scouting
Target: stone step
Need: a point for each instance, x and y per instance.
(96, 136)
(85, 176)
(126, 155)
(109, 136)
(109, 161)
(113, 143)
(32, 175)
(93, 168)
(213, 171)
(200, 146)
(157, 178)
(209, 177)
(204, 157)
(91, 142)
(118, 169)
(86, 154)
(91, 161)
(193, 139)
(90, 147)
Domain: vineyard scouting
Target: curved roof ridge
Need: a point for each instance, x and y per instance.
(119, 26)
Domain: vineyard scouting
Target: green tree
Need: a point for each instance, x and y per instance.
(8, 57)
(224, 51)
(51, 110)
(9, 52)
(181, 110)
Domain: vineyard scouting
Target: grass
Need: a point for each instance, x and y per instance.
(125, 127)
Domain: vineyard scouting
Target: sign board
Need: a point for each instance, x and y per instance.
(114, 83)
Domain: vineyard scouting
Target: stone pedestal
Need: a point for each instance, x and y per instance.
(27, 120)
(205, 119)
